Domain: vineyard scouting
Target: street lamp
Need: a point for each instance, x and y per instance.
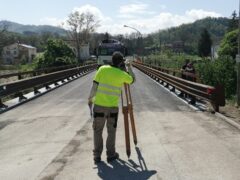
(138, 33)
(134, 29)
(238, 60)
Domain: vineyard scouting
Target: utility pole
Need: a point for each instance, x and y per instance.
(238, 60)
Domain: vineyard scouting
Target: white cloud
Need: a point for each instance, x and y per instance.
(127, 16)
(104, 20)
(136, 17)
(163, 7)
(199, 14)
(134, 9)
(166, 20)
(94, 10)
(51, 21)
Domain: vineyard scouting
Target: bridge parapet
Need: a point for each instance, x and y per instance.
(17, 88)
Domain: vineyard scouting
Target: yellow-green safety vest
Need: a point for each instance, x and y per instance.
(110, 81)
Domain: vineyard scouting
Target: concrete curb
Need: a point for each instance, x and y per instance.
(231, 122)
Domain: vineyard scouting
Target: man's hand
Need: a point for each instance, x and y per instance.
(90, 102)
(127, 63)
(90, 106)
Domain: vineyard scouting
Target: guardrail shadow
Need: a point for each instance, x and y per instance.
(121, 169)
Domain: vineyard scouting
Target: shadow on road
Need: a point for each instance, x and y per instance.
(121, 169)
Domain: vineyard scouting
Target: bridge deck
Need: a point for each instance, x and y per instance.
(51, 138)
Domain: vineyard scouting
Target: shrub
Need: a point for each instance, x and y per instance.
(221, 71)
(57, 53)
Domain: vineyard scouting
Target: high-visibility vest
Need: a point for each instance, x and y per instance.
(110, 81)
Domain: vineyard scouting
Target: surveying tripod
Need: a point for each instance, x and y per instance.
(127, 109)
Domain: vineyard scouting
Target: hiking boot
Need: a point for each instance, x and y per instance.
(112, 158)
(97, 160)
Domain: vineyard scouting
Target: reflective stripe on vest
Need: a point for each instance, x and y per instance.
(109, 90)
(109, 86)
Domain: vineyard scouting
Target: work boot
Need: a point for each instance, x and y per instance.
(112, 158)
(97, 160)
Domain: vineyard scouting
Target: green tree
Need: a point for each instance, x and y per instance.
(81, 25)
(233, 23)
(204, 44)
(57, 53)
(229, 45)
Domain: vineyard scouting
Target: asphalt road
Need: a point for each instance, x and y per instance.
(51, 138)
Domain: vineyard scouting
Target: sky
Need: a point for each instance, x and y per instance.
(146, 16)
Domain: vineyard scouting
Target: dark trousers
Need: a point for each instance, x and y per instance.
(102, 115)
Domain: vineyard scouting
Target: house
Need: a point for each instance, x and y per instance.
(17, 53)
(84, 52)
(214, 51)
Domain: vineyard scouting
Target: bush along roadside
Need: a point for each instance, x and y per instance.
(219, 71)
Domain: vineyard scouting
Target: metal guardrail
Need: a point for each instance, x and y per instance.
(37, 82)
(215, 95)
(21, 75)
(175, 72)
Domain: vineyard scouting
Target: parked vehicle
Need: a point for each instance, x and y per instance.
(106, 48)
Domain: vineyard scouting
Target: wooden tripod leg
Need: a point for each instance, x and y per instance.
(126, 126)
(130, 110)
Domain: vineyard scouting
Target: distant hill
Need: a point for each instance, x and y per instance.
(190, 33)
(31, 29)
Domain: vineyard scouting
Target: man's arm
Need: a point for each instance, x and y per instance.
(93, 91)
(129, 70)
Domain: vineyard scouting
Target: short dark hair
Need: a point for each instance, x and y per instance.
(117, 58)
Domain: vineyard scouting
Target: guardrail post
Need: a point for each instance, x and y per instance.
(56, 84)
(173, 89)
(215, 107)
(19, 77)
(20, 96)
(35, 90)
(47, 87)
(162, 82)
(2, 105)
(218, 97)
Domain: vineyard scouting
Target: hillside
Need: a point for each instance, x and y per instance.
(31, 29)
(190, 33)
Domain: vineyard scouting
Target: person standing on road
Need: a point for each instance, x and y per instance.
(105, 93)
(191, 77)
(183, 75)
